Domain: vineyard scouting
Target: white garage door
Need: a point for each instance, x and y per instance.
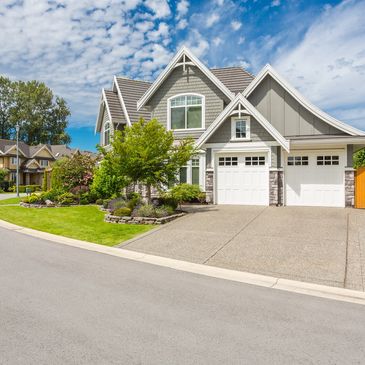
(243, 179)
(315, 178)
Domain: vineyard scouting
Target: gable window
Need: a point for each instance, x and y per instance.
(328, 160)
(43, 163)
(186, 112)
(240, 128)
(106, 133)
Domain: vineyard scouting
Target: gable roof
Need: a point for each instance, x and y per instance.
(130, 91)
(248, 107)
(32, 161)
(176, 61)
(269, 70)
(236, 79)
(113, 105)
(34, 150)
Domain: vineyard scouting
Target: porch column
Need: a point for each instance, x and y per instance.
(276, 188)
(349, 187)
(209, 185)
(27, 178)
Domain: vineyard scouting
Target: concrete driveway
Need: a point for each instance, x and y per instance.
(319, 245)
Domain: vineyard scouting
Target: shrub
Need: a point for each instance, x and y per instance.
(147, 210)
(23, 188)
(163, 211)
(167, 200)
(359, 159)
(51, 195)
(99, 202)
(106, 203)
(34, 199)
(87, 198)
(117, 203)
(66, 199)
(26, 199)
(1, 191)
(134, 200)
(185, 193)
(122, 212)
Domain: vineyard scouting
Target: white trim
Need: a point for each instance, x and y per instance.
(122, 101)
(269, 70)
(241, 144)
(33, 160)
(316, 141)
(106, 105)
(100, 112)
(253, 111)
(247, 120)
(42, 148)
(184, 51)
(168, 124)
(103, 132)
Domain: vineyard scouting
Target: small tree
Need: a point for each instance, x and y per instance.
(359, 158)
(145, 153)
(3, 174)
(72, 172)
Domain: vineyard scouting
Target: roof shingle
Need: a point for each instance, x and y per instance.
(236, 79)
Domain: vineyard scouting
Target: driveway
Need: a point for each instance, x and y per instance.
(319, 245)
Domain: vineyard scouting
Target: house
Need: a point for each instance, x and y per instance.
(33, 160)
(260, 141)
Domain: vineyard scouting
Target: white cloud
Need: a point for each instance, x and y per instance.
(182, 24)
(197, 43)
(275, 3)
(219, 2)
(160, 8)
(76, 48)
(212, 19)
(217, 41)
(236, 25)
(241, 40)
(328, 65)
(182, 8)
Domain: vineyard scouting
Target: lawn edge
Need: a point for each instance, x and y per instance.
(321, 291)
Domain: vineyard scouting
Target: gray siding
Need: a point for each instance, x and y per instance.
(350, 152)
(276, 156)
(223, 133)
(194, 81)
(285, 113)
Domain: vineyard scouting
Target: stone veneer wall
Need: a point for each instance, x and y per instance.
(349, 188)
(276, 188)
(209, 185)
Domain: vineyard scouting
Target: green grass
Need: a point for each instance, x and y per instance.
(80, 222)
(10, 201)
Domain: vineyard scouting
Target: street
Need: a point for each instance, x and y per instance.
(64, 305)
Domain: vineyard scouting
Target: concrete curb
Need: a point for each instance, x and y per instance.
(322, 291)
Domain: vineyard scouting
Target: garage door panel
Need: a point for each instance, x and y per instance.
(243, 184)
(313, 184)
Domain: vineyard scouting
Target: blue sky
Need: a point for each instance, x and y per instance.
(77, 46)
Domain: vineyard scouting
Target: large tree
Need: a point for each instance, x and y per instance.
(41, 114)
(146, 153)
(7, 100)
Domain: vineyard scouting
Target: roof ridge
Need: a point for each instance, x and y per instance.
(226, 67)
(128, 78)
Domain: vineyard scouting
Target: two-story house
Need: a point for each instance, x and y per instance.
(260, 141)
(33, 160)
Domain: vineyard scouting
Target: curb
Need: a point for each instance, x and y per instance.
(321, 291)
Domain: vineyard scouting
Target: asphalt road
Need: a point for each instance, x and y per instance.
(63, 305)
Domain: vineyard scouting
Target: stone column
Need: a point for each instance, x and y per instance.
(349, 187)
(209, 185)
(276, 189)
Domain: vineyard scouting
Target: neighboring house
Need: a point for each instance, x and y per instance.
(33, 160)
(260, 141)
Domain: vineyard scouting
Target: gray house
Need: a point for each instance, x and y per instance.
(260, 141)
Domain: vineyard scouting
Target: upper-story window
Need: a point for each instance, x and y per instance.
(187, 112)
(106, 133)
(43, 163)
(13, 160)
(240, 128)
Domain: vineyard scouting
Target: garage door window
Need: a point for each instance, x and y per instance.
(228, 161)
(298, 161)
(255, 161)
(328, 160)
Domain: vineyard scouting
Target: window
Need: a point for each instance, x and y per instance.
(240, 128)
(13, 160)
(183, 176)
(298, 161)
(43, 163)
(328, 160)
(228, 161)
(106, 133)
(195, 171)
(255, 161)
(186, 112)
(13, 176)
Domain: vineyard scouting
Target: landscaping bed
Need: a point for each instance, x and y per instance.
(141, 220)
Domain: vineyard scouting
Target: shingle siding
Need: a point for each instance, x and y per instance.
(285, 113)
(223, 133)
(192, 81)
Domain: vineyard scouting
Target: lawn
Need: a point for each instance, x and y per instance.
(10, 201)
(80, 222)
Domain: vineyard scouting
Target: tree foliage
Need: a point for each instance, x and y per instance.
(359, 158)
(145, 153)
(3, 174)
(43, 117)
(72, 172)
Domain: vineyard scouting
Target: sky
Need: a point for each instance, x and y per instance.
(76, 47)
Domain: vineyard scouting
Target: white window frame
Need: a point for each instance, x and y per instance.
(13, 160)
(104, 130)
(189, 171)
(234, 120)
(43, 161)
(169, 112)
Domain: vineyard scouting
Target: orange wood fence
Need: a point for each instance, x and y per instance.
(360, 188)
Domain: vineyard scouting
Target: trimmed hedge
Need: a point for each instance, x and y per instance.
(22, 188)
